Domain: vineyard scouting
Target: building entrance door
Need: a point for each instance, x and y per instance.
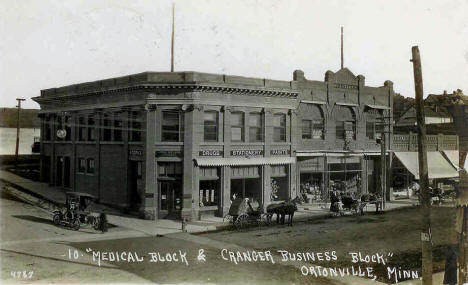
(170, 199)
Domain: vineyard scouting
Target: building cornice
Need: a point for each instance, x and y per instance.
(213, 88)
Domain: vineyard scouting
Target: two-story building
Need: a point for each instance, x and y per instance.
(183, 144)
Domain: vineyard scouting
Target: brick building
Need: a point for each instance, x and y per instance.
(177, 144)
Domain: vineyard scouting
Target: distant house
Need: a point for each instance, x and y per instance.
(30, 129)
(446, 140)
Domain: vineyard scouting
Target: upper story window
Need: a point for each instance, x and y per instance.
(210, 126)
(279, 128)
(136, 126)
(172, 126)
(345, 124)
(81, 165)
(59, 126)
(237, 126)
(118, 127)
(255, 127)
(90, 165)
(107, 130)
(313, 122)
(374, 125)
(81, 128)
(91, 128)
(47, 129)
(68, 123)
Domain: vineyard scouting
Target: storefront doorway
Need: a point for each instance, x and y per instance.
(170, 199)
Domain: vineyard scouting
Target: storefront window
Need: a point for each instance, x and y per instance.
(255, 127)
(211, 126)
(237, 126)
(209, 193)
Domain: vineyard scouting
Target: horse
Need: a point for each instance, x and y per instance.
(282, 210)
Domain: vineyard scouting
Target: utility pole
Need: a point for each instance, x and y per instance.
(425, 195)
(18, 130)
(383, 164)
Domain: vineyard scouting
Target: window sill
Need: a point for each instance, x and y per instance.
(111, 142)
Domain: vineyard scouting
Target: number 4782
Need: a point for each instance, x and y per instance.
(22, 274)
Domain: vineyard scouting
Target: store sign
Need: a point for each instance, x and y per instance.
(345, 86)
(246, 152)
(279, 152)
(169, 153)
(137, 152)
(210, 153)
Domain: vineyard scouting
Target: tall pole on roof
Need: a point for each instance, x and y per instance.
(18, 131)
(172, 38)
(342, 60)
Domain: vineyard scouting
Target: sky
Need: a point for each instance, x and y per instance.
(53, 43)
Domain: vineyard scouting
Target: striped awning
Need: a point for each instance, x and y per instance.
(234, 161)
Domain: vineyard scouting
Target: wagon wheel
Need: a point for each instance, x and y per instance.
(241, 221)
(56, 219)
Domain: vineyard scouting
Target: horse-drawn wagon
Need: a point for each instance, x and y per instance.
(245, 211)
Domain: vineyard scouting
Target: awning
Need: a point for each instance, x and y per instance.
(378, 107)
(219, 161)
(453, 157)
(437, 165)
(313, 102)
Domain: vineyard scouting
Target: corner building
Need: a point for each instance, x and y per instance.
(182, 144)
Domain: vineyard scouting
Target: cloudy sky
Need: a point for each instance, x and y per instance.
(50, 43)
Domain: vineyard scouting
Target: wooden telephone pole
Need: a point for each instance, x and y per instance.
(425, 195)
(18, 131)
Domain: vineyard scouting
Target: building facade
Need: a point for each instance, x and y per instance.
(183, 144)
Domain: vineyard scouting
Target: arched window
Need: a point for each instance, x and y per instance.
(313, 121)
(345, 122)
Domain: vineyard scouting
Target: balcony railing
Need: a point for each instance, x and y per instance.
(433, 142)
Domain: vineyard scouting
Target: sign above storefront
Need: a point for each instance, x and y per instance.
(211, 153)
(246, 152)
(279, 152)
(169, 153)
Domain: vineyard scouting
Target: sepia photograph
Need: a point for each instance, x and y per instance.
(234, 142)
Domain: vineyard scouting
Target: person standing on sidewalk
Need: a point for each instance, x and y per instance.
(450, 274)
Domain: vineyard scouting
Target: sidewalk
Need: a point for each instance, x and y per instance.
(56, 196)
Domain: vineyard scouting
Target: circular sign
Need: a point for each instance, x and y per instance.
(61, 134)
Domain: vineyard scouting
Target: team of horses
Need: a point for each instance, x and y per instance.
(282, 210)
